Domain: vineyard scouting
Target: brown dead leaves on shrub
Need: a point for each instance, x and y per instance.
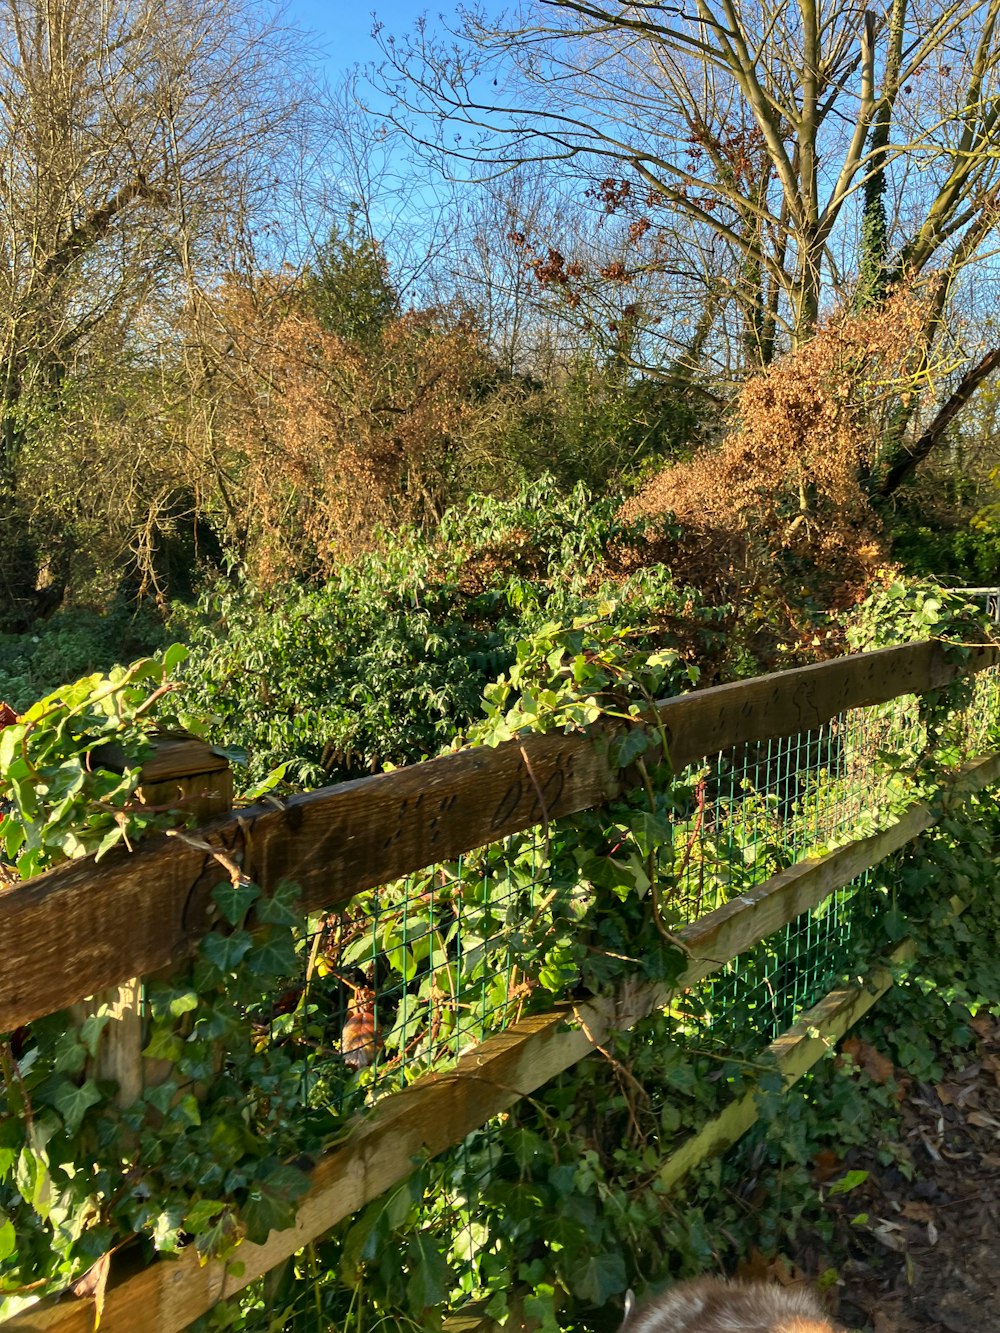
(790, 477)
(328, 438)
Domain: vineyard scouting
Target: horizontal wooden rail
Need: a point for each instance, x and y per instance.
(83, 927)
(438, 1112)
(792, 1055)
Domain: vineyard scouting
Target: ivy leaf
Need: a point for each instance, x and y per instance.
(111, 839)
(186, 1113)
(235, 900)
(91, 1029)
(278, 910)
(74, 1102)
(226, 952)
(164, 1044)
(651, 831)
(8, 1238)
(430, 1275)
(167, 1229)
(274, 955)
(634, 743)
(271, 1203)
(220, 1238)
(200, 1215)
(183, 1002)
(598, 1277)
(69, 1054)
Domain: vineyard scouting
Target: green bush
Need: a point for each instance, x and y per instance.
(74, 643)
(388, 661)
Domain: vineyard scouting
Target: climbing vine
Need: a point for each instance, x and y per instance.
(282, 1028)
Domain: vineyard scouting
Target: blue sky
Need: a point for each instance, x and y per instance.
(343, 29)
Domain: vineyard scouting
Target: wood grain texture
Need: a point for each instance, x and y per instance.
(185, 774)
(439, 1111)
(793, 1053)
(766, 707)
(83, 928)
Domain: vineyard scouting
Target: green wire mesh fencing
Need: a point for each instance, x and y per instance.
(411, 975)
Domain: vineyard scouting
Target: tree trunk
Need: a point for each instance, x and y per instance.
(907, 457)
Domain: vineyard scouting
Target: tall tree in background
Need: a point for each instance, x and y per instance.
(760, 123)
(818, 149)
(347, 283)
(136, 138)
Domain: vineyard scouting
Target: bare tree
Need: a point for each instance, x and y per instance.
(789, 133)
(763, 123)
(137, 138)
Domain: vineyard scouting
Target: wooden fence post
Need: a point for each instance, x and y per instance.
(187, 774)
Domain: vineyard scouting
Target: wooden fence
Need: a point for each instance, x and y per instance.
(88, 930)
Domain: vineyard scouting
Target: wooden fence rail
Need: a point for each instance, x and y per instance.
(148, 910)
(82, 928)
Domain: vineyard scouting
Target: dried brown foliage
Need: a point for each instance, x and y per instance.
(789, 479)
(329, 438)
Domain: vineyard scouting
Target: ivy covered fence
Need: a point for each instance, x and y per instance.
(342, 984)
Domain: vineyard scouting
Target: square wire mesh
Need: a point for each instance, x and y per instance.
(752, 810)
(409, 976)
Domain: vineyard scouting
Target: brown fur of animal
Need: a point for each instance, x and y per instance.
(712, 1305)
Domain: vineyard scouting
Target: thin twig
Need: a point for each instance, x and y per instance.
(623, 1073)
(541, 799)
(235, 871)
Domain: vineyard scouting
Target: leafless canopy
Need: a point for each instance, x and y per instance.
(817, 145)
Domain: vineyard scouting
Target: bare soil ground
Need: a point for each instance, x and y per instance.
(922, 1253)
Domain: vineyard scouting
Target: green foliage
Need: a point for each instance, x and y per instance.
(72, 644)
(592, 426)
(554, 1207)
(905, 610)
(347, 284)
(969, 553)
(66, 800)
(388, 661)
(208, 1155)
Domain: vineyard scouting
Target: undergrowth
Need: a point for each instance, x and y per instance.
(553, 1208)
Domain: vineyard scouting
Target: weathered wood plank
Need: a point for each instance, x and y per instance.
(81, 928)
(185, 773)
(793, 1053)
(437, 1113)
(766, 707)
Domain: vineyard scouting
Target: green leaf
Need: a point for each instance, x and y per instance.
(186, 1113)
(266, 784)
(226, 952)
(8, 1238)
(111, 839)
(69, 1054)
(74, 1102)
(235, 900)
(173, 656)
(167, 1229)
(200, 1215)
(279, 908)
(430, 1275)
(634, 743)
(848, 1182)
(598, 1277)
(273, 956)
(270, 1206)
(164, 1044)
(220, 1238)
